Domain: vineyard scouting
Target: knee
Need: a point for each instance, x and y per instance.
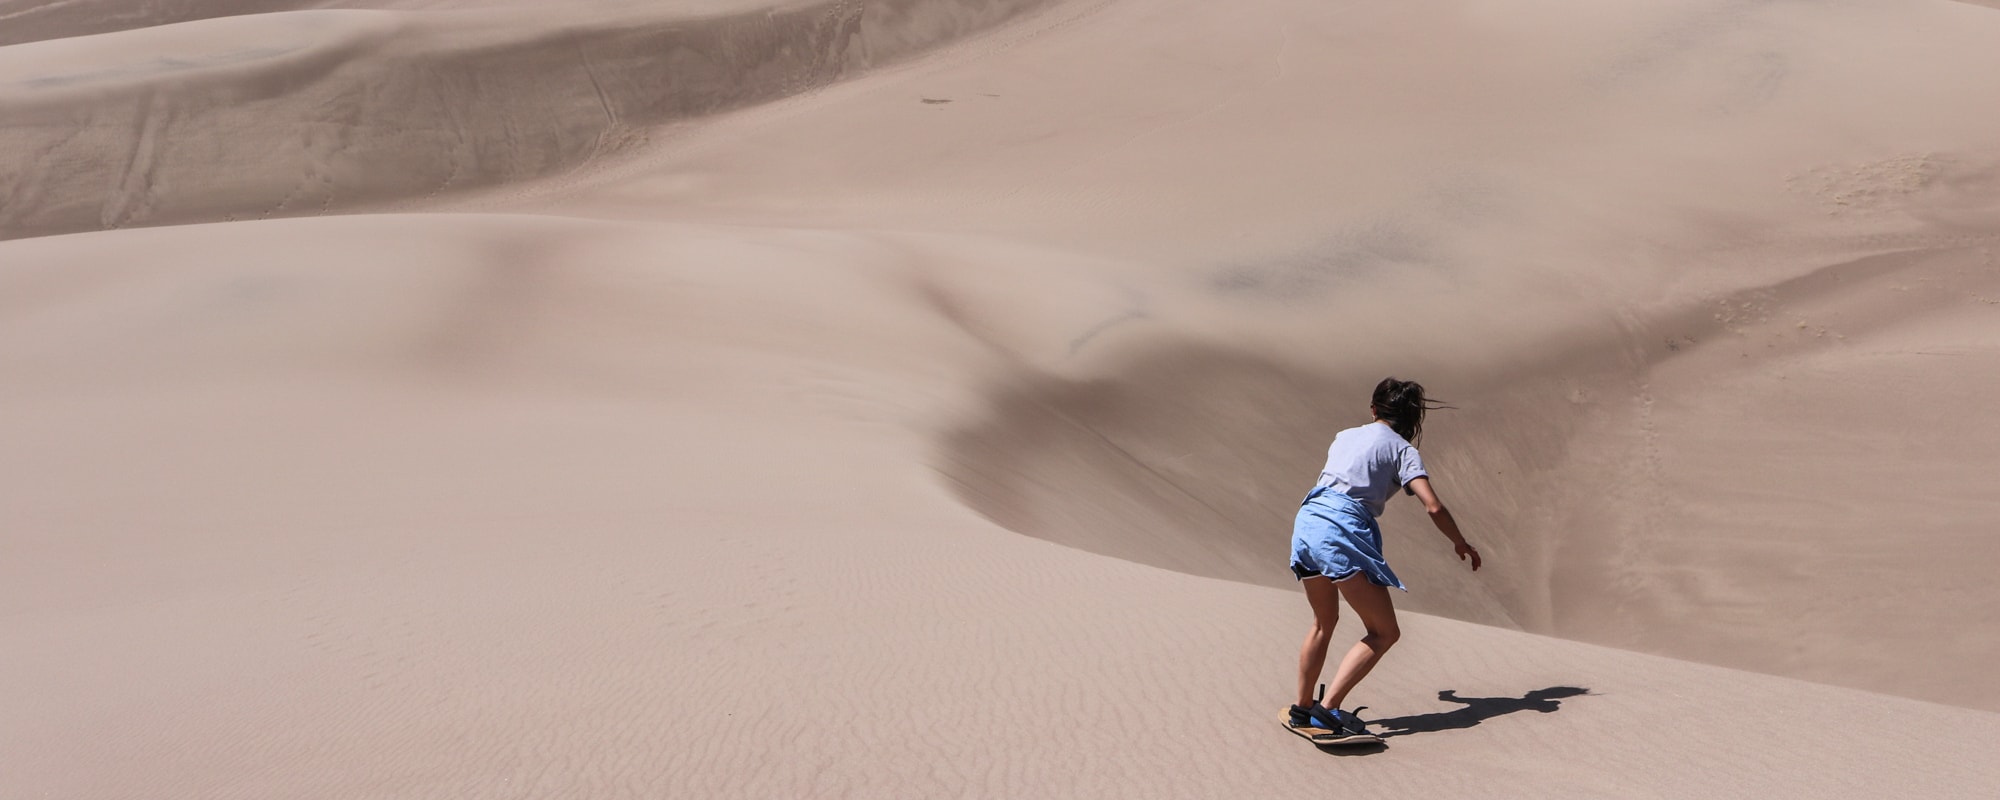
(1384, 638)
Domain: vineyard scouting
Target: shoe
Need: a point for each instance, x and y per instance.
(1349, 722)
(1327, 726)
(1316, 716)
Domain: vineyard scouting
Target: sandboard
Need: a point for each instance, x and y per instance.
(1324, 736)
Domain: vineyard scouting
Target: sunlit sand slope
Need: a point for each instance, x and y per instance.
(491, 506)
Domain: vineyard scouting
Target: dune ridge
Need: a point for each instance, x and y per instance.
(37, 20)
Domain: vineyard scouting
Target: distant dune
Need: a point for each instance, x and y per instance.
(306, 112)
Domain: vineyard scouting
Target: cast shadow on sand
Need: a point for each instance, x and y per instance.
(1474, 710)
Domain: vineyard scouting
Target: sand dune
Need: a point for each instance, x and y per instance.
(306, 112)
(721, 414)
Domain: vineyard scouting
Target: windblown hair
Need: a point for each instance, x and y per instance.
(1402, 404)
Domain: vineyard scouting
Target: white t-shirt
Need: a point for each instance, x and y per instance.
(1369, 464)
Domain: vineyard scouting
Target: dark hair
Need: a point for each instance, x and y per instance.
(1402, 404)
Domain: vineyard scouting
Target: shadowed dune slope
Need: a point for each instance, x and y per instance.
(306, 112)
(36, 20)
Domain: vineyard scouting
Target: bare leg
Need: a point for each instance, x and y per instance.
(1378, 616)
(1325, 601)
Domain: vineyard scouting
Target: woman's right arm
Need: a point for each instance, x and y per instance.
(1441, 517)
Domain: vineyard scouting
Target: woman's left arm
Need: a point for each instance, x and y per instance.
(1441, 517)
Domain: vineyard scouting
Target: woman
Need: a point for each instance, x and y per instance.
(1337, 547)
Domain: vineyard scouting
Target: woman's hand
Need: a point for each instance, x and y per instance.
(1441, 517)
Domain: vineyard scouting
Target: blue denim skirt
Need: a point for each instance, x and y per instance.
(1334, 535)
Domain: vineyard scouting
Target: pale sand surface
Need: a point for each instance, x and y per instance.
(696, 459)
